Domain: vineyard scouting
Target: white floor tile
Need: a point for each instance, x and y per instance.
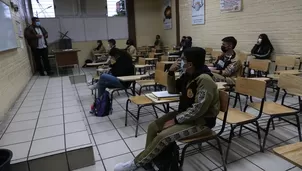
(47, 145)
(113, 149)
(50, 113)
(49, 106)
(73, 117)
(74, 127)
(16, 137)
(136, 143)
(120, 123)
(110, 163)
(29, 109)
(105, 137)
(50, 131)
(94, 119)
(97, 156)
(49, 121)
(101, 127)
(25, 117)
(72, 109)
(129, 131)
(20, 126)
(34, 98)
(52, 95)
(243, 165)
(52, 100)
(295, 169)
(214, 156)
(97, 167)
(72, 103)
(20, 151)
(28, 103)
(198, 162)
(77, 139)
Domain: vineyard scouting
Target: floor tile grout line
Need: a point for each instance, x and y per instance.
(89, 127)
(30, 146)
(17, 109)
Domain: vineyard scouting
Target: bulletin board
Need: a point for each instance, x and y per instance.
(230, 5)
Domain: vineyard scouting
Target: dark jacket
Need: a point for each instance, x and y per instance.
(261, 52)
(31, 36)
(199, 100)
(123, 67)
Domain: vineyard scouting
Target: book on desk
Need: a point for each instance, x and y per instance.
(162, 95)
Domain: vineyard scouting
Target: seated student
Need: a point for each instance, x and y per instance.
(122, 66)
(130, 48)
(197, 111)
(263, 48)
(111, 43)
(187, 44)
(158, 44)
(182, 42)
(100, 48)
(227, 66)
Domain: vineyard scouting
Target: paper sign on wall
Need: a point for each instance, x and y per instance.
(167, 15)
(197, 12)
(230, 5)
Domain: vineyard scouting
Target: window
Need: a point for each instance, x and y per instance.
(43, 8)
(116, 8)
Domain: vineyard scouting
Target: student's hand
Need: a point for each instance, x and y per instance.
(175, 66)
(169, 124)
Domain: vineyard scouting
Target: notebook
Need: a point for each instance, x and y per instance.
(164, 94)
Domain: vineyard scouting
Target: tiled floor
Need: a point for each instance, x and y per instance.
(112, 141)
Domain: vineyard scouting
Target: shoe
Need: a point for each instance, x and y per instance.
(49, 73)
(128, 166)
(93, 87)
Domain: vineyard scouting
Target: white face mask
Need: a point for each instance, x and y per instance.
(182, 63)
(259, 41)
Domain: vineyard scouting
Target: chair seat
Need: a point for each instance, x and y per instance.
(236, 116)
(211, 134)
(145, 82)
(272, 108)
(140, 100)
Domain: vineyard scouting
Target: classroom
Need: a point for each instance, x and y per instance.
(150, 85)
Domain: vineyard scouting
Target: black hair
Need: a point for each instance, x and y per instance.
(100, 44)
(184, 37)
(119, 53)
(112, 41)
(190, 38)
(266, 41)
(129, 42)
(158, 36)
(33, 19)
(196, 55)
(231, 40)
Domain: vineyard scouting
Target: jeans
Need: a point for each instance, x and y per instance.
(41, 54)
(107, 81)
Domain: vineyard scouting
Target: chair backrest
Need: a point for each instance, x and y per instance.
(161, 77)
(242, 56)
(215, 54)
(290, 83)
(259, 65)
(224, 107)
(153, 50)
(285, 61)
(209, 51)
(250, 87)
(160, 66)
(151, 55)
(141, 61)
(164, 58)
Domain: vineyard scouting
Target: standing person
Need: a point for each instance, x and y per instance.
(111, 44)
(158, 44)
(227, 66)
(36, 36)
(121, 67)
(131, 48)
(198, 108)
(263, 48)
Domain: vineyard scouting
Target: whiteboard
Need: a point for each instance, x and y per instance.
(75, 28)
(7, 31)
(117, 27)
(52, 26)
(95, 29)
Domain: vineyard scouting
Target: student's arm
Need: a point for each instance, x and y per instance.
(253, 51)
(30, 34)
(45, 33)
(174, 86)
(231, 69)
(203, 100)
(266, 53)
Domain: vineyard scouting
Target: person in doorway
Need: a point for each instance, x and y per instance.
(158, 44)
(131, 48)
(198, 108)
(100, 48)
(36, 36)
(121, 65)
(263, 48)
(227, 66)
(111, 44)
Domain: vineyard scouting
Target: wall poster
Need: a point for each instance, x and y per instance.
(167, 18)
(197, 12)
(230, 5)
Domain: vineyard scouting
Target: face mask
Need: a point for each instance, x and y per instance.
(224, 49)
(259, 41)
(182, 63)
(38, 23)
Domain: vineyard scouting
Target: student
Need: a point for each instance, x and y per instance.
(263, 48)
(227, 66)
(100, 48)
(187, 44)
(158, 44)
(182, 42)
(198, 108)
(130, 48)
(121, 67)
(111, 43)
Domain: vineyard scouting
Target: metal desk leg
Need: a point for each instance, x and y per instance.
(277, 94)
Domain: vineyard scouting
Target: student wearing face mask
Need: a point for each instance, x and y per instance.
(100, 48)
(111, 44)
(131, 48)
(263, 48)
(36, 36)
(227, 66)
(197, 110)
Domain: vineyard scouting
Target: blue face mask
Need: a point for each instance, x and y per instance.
(182, 63)
(38, 23)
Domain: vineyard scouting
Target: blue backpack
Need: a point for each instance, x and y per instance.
(102, 106)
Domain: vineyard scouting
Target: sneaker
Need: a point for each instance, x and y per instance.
(128, 166)
(93, 87)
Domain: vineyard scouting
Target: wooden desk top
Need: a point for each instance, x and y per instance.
(167, 62)
(142, 66)
(102, 69)
(165, 100)
(150, 59)
(156, 54)
(260, 78)
(173, 56)
(294, 72)
(132, 77)
(291, 153)
(65, 51)
(96, 63)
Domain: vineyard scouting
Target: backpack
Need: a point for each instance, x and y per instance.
(168, 159)
(102, 106)
(87, 61)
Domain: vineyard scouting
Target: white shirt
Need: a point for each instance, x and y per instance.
(41, 41)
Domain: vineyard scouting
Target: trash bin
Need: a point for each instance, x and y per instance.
(5, 158)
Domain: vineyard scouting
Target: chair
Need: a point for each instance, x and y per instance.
(285, 61)
(209, 51)
(141, 61)
(291, 84)
(258, 66)
(235, 118)
(164, 58)
(215, 54)
(243, 58)
(212, 135)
